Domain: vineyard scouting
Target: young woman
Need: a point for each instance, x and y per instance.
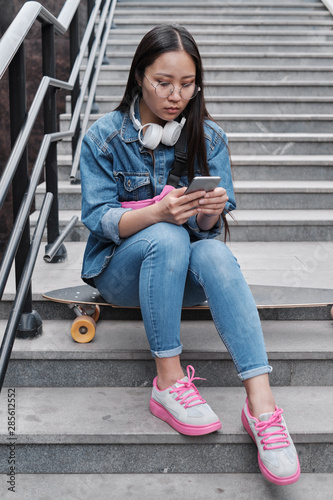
(155, 246)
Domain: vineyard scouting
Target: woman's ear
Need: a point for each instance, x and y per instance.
(138, 79)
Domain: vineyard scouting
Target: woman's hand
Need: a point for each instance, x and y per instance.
(177, 207)
(213, 202)
(211, 207)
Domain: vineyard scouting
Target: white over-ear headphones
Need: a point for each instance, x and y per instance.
(168, 135)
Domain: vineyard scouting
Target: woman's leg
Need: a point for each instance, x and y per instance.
(149, 269)
(215, 274)
(214, 271)
(168, 370)
(259, 395)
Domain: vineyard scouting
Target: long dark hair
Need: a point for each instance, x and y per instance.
(169, 38)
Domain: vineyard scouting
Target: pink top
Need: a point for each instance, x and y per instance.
(145, 203)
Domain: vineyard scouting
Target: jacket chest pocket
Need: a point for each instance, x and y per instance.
(133, 186)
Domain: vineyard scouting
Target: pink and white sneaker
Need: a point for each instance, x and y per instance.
(182, 407)
(277, 456)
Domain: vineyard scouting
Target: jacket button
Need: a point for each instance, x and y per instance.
(128, 183)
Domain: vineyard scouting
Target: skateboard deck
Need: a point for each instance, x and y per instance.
(86, 301)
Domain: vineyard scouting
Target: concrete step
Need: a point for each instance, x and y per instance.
(240, 58)
(148, 22)
(239, 88)
(230, 34)
(242, 104)
(244, 167)
(244, 4)
(110, 430)
(169, 486)
(300, 352)
(275, 123)
(267, 89)
(224, 12)
(250, 194)
(282, 225)
(249, 225)
(264, 195)
(280, 144)
(234, 46)
(287, 167)
(233, 72)
(69, 196)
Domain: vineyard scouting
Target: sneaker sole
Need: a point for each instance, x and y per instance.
(265, 472)
(159, 411)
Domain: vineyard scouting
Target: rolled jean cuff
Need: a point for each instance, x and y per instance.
(167, 354)
(255, 372)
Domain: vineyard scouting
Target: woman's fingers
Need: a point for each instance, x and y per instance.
(187, 198)
(213, 202)
(178, 207)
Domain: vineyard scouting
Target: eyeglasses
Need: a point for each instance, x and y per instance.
(164, 89)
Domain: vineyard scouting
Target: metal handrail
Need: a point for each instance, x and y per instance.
(46, 82)
(93, 84)
(25, 132)
(52, 249)
(12, 57)
(329, 5)
(23, 213)
(21, 25)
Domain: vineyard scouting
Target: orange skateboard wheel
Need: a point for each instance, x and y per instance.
(83, 329)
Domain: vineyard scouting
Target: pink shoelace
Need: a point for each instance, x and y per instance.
(276, 436)
(192, 398)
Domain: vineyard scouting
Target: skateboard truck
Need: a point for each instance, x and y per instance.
(84, 325)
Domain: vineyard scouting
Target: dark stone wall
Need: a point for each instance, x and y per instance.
(8, 10)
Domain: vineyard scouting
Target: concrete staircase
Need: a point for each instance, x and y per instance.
(83, 423)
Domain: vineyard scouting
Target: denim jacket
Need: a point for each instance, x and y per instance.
(115, 167)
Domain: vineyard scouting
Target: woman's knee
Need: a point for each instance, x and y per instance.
(213, 254)
(171, 241)
(211, 249)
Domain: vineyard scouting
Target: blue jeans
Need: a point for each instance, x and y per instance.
(159, 269)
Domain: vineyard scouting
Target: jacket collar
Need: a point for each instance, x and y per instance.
(128, 132)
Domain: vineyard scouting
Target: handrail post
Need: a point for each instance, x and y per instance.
(30, 323)
(74, 50)
(50, 126)
(91, 3)
(105, 61)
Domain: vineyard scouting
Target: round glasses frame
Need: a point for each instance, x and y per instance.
(195, 91)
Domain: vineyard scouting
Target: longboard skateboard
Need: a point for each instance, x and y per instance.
(86, 302)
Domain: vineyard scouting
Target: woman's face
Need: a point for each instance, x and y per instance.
(175, 67)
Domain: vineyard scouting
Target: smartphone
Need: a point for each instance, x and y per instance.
(203, 184)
